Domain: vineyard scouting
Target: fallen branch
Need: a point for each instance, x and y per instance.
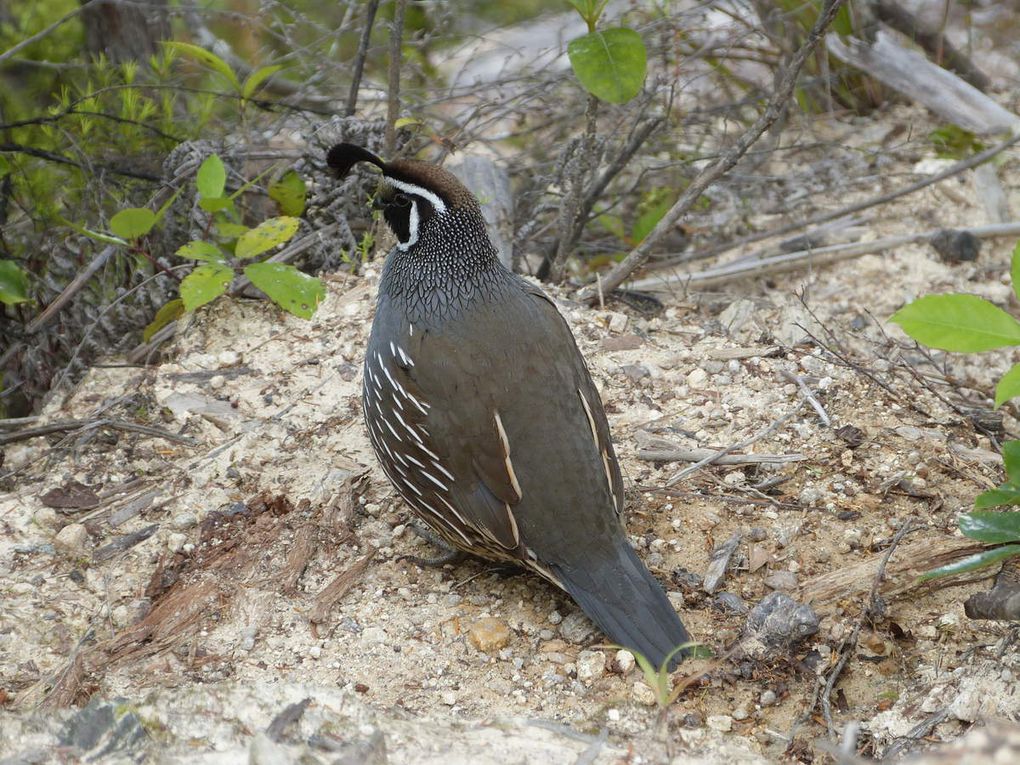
(825, 217)
(696, 455)
(637, 257)
(62, 426)
(715, 456)
(792, 261)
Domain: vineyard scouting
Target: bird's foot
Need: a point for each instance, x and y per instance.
(449, 553)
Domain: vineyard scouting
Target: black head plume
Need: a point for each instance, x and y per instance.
(344, 156)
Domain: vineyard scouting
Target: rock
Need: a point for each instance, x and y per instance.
(635, 372)
(740, 714)
(736, 319)
(617, 322)
(722, 723)
(373, 636)
(622, 343)
(777, 623)
(576, 627)
(643, 694)
(624, 661)
(590, 666)
(768, 697)
(102, 730)
(731, 603)
(72, 539)
(555, 617)
(955, 246)
(489, 634)
(719, 561)
(697, 378)
(781, 580)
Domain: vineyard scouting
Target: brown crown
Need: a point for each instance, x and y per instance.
(342, 157)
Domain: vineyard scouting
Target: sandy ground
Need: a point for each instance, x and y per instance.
(208, 582)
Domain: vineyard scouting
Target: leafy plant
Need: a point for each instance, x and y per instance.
(657, 678)
(228, 243)
(953, 142)
(967, 323)
(609, 63)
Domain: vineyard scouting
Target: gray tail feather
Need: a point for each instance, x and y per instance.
(622, 597)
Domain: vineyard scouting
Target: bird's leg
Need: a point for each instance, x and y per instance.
(449, 553)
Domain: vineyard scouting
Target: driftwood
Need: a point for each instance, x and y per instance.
(910, 73)
(910, 561)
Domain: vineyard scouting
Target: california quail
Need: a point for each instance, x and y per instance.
(484, 416)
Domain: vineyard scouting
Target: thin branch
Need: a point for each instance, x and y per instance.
(710, 459)
(791, 261)
(393, 99)
(359, 59)
(41, 34)
(716, 169)
(63, 426)
(963, 165)
(61, 159)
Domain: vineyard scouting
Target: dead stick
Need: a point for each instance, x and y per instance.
(339, 587)
(718, 167)
(962, 166)
(791, 261)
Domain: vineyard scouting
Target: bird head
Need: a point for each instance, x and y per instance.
(420, 197)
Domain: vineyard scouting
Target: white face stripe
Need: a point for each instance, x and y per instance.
(437, 203)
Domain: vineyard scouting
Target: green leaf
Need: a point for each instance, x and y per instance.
(96, 235)
(964, 323)
(265, 236)
(206, 57)
(171, 311)
(198, 250)
(216, 204)
(656, 205)
(13, 283)
(407, 122)
(993, 527)
(257, 77)
(295, 292)
(133, 222)
(1006, 494)
(610, 64)
(205, 283)
(229, 230)
(589, 10)
(1011, 460)
(1014, 270)
(972, 562)
(289, 192)
(211, 178)
(1008, 386)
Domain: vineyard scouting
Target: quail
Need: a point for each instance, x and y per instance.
(484, 416)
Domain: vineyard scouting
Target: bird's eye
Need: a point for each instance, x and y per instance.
(400, 200)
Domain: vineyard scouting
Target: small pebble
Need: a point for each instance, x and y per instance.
(555, 617)
(739, 713)
(576, 627)
(72, 539)
(613, 715)
(183, 521)
(768, 697)
(373, 635)
(643, 694)
(489, 634)
(781, 580)
(723, 723)
(590, 666)
(175, 541)
(624, 661)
